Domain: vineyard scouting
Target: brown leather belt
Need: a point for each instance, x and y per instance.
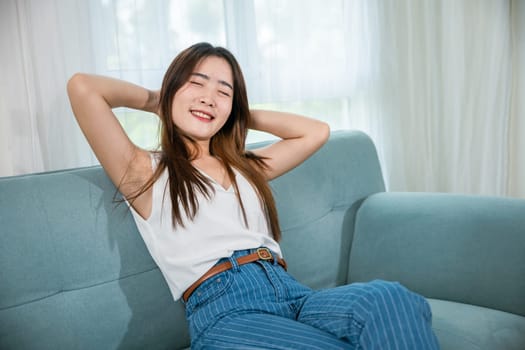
(261, 254)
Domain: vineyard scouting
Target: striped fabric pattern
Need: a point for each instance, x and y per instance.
(261, 306)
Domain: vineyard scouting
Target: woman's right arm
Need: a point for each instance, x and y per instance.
(92, 100)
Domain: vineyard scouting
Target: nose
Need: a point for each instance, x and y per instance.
(206, 98)
(207, 101)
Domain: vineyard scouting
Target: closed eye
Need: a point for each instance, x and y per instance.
(195, 83)
(224, 93)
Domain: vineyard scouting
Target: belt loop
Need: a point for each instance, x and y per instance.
(235, 264)
(275, 258)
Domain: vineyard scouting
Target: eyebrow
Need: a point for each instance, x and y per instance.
(204, 76)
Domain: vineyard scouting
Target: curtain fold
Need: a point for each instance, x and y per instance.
(439, 85)
(18, 124)
(517, 134)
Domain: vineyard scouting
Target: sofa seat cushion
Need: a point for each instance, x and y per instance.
(469, 327)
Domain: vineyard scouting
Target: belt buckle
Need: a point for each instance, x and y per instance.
(264, 254)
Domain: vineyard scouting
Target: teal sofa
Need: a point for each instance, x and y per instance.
(75, 274)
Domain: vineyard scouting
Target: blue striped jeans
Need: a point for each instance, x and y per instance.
(260, 306)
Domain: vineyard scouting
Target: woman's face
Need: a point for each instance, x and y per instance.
(202, 105)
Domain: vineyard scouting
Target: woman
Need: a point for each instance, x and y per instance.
(206, 213)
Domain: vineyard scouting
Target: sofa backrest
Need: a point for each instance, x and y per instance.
(317, 203)
(74, 271)
(75, 274)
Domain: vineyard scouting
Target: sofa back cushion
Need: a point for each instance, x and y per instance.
(74, 271)
(317, 203)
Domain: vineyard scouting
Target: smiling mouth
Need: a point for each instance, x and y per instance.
(203, 116)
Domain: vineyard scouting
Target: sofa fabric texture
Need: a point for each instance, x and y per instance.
(75, 274)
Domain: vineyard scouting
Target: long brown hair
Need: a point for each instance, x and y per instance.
(228, 144)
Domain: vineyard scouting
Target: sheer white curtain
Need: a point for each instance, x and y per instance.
(439, 96)
(437, 84)
(136, 40)
(41, 44)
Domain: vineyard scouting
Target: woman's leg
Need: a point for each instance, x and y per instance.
(265, 331)
(253, 306)
(375, 315)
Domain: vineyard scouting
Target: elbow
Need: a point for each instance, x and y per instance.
(319, 135)
(76, 84)
(323, 132)
(77, 91)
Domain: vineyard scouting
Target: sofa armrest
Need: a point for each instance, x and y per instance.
(468, 249)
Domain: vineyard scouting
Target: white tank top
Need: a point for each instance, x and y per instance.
(184, 254)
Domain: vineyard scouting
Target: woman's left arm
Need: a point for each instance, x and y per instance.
(300, 138)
